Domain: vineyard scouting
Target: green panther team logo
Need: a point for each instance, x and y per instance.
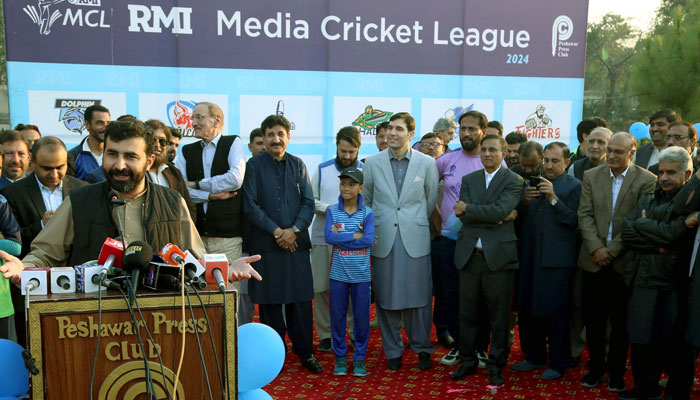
(371, 117)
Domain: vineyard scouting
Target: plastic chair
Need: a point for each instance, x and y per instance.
(15, 380)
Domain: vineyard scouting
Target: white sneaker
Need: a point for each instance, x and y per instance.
(483, 357)
(451, 358)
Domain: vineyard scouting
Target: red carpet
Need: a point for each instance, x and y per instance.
(411, 383)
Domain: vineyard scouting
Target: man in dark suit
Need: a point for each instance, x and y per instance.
(486, 256)
(609, 192)
(659, 123)
(34, 199)
(548, 250)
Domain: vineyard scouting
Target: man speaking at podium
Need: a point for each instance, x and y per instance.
(153, 213)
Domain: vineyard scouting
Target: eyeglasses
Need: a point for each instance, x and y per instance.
(161, 142)
(677, 137)
(430, 144)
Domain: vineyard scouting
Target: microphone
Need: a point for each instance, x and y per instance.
(62, 280)
(114, 198)
(89, 276)
(172, 254)
(32, 285)
(136, 259)
(35, 280)
(216, 269)
(111, 254)
(193, 269)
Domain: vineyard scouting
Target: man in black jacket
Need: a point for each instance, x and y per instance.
(656, 273)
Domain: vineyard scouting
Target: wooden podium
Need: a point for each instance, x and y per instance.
(63, 333)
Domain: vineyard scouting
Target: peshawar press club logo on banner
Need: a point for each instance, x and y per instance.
(562, 29)
(180, 116)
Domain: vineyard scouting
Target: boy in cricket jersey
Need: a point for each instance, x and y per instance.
(350, 230)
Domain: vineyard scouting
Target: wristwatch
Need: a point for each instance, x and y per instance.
(295, 229)
(554, 202)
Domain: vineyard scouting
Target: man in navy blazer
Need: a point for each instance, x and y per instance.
(486, 256)
(548, 250)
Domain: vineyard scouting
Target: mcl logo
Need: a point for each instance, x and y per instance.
(44, 15)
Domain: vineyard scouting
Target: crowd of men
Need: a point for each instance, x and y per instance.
(601, 240)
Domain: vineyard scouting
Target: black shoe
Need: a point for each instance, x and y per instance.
(424, 361)
(446, 340)
(592, 380)
(311, 364)
(496, 378)
(636, 394)
(393, 363)
(616, 384)
(325, 345)
(463, 371)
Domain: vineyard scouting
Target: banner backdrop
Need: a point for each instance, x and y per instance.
(323, 64)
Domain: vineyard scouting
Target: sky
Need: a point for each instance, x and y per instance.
(641, 12)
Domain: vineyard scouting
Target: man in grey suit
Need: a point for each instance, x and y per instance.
(401, 188)
(486, 256)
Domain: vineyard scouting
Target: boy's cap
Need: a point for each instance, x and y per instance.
(352, 173)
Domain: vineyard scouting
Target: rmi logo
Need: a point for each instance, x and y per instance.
(42, 14)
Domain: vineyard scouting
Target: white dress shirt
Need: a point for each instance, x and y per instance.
(52, 198)
(489, 178)
(158, 176)
(616, 185)
(97, 158)
(230, 181)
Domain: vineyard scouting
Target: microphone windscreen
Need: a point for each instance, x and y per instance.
(170, 252)
(137, 256)
(111, 247)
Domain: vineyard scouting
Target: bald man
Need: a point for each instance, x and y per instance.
(610, 191)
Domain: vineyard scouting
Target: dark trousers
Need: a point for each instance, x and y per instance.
(536, 332)
(604, 298)
(299, 324)
(479, 286)
(445, 286)
(669, 349)
(340, 292)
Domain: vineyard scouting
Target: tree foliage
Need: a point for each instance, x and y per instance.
(667, 69)
(610, 52)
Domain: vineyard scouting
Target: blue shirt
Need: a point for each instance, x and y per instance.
(350, 258)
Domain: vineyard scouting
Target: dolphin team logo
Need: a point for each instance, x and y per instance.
(72, 113)
(562, 29)
(372, 117)
(453, 114)
(45, 18)
(180, 116)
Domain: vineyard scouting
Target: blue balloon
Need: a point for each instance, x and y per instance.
(15, 375)
(257, 394)
(260, 356)
(639, 130)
